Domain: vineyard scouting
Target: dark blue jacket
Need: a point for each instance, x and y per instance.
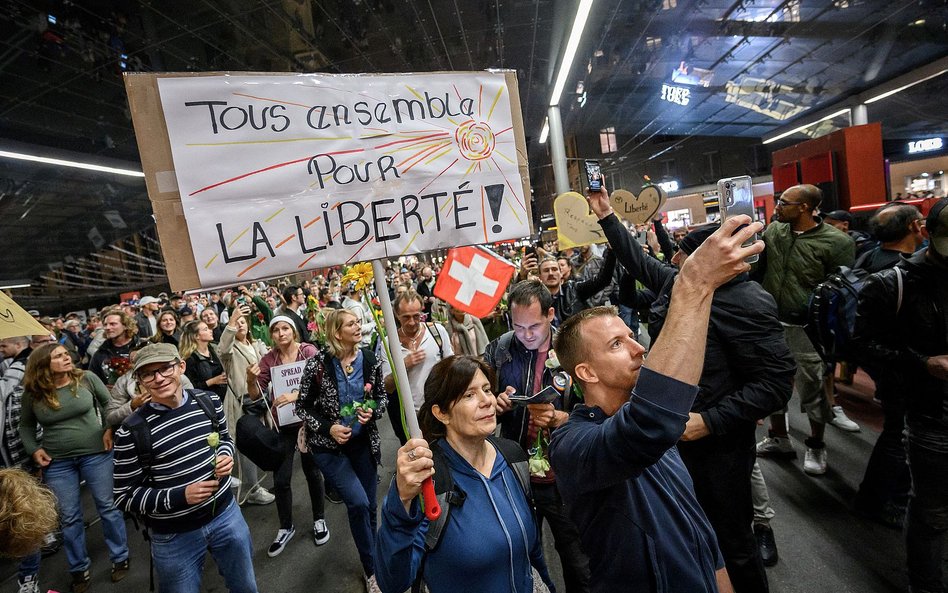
(630, 495)
(514, 366)
(490, 543)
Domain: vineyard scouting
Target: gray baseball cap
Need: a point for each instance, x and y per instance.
(153, 353)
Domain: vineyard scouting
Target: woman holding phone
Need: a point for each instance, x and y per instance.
(241, 355)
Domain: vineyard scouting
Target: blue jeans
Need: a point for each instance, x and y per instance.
(354, 475)
(63, 476)
(179, 557)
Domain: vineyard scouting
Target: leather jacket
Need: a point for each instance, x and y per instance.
(901, 337)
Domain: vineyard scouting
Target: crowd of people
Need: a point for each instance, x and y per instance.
(547, 410)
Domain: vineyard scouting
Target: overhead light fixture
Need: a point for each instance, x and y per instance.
(15, 285)
(805, 126)
(545, 132)
(575, 34)
(64, 163)
(903, 87)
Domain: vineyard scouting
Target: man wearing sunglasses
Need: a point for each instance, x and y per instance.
(178, 481)
(801, 252)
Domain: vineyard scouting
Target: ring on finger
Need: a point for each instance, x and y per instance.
(411, 455)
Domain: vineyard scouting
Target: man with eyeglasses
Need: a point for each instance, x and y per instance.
(422, 346)
(801, 252)
(178, 482)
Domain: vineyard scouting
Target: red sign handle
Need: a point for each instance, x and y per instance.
(432, 508)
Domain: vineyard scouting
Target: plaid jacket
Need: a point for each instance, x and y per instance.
(12, 453)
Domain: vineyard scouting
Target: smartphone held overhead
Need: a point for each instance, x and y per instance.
(736, 196)
(593, 175)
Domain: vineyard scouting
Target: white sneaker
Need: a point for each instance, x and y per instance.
(259, 496)
(814, 461)
(371, 586)
(320, 532)
(841, 420)
(29, 584)
(283, 537)
(776, 447)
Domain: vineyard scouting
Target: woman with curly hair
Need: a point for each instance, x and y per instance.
(76, 445)
(27, 513)
(341, 398)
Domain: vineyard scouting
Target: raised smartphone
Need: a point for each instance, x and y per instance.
(736, 196)
(594, 175)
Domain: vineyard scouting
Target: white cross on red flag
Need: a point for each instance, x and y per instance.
(473, 280)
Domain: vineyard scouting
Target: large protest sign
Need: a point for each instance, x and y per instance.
(258, 175)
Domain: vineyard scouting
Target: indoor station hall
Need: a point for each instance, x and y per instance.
(523, 296)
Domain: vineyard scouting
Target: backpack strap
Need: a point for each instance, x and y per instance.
(446, 495)
(433, 328)
(203, 400)
(141, 436)
(898, 280)
(501, 352)
(518, 460)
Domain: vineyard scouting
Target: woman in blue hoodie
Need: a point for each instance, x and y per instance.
(490, 541)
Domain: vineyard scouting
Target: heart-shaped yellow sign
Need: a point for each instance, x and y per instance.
(575, 224)
(640, 209)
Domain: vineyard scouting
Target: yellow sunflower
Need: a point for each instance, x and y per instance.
(361, 274)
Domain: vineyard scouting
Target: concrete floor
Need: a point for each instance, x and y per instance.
(823, 546)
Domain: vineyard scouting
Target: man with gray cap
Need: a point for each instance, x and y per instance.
(173, 459)
(747, 374)
(902, 323)
(147, 317)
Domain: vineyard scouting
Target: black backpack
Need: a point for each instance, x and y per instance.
(449, 495)
(831, 312)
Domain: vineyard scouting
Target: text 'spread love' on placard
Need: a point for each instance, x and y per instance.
(285, 379)
(274, 174)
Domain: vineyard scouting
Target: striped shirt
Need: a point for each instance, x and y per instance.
(181, 456)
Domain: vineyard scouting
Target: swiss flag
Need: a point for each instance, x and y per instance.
(473, 280)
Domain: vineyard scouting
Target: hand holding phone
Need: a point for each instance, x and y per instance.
(593, 175)
(736, 196)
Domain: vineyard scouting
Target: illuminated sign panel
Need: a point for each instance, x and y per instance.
(669, 186)
(927, 145)
(676, 94)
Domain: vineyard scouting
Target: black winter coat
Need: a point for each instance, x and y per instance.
(901, 338)
(748, 369)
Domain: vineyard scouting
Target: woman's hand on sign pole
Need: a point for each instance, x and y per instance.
(414, 463)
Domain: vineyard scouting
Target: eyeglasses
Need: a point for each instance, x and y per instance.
(782, 202)
(152, 376)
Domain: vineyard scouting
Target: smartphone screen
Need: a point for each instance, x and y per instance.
(736, 196)
(594, 175)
